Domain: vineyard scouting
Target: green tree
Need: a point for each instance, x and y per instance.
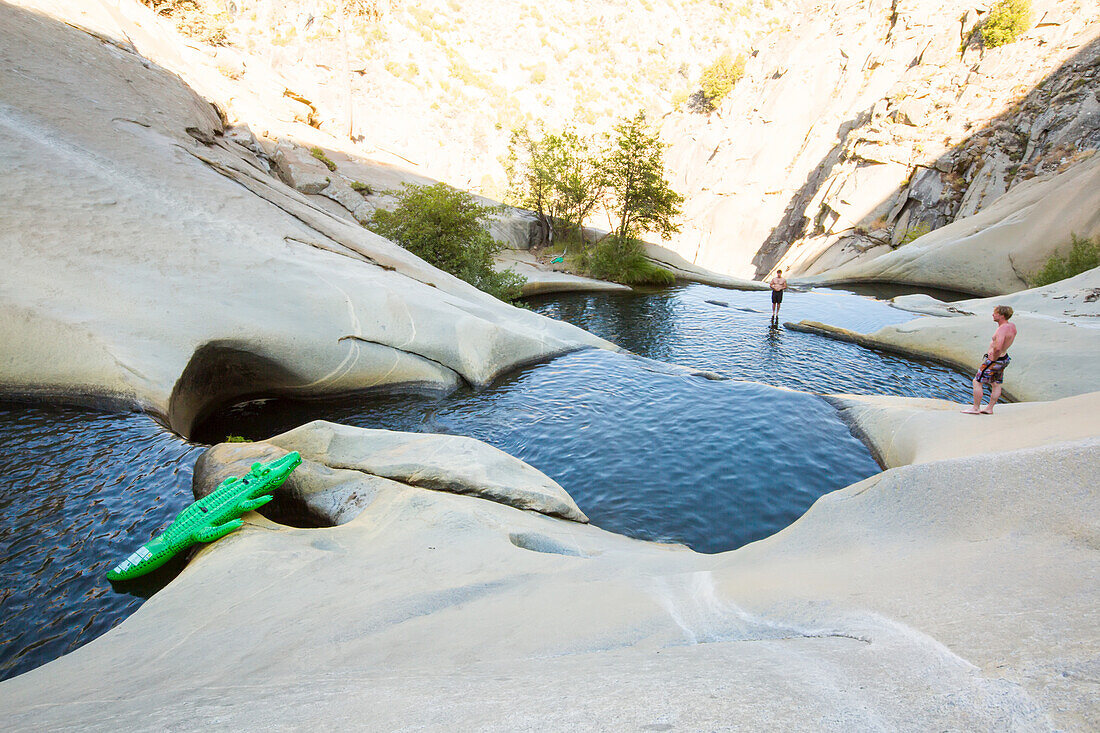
(636, 193)
(718, 79)
(556, 175)
(447, 228)
(1007, 21)
(636, 190)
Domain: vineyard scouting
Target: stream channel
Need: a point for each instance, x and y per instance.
(644, 449)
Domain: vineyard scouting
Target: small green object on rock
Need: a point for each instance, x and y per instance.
(557, 260)
(211, 517)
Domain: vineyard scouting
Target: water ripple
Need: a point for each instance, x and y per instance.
(644, 451)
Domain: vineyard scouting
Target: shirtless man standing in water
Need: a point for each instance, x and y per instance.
(778, 285)
(992, 371)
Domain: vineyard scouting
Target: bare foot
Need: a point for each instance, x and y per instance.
(987, 410)
(971, 411)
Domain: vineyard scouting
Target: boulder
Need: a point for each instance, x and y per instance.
(514, 228)
(343, 194)
(441, 462)
(1075, 300)
(300, 170)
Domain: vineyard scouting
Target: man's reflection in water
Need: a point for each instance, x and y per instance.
(773, 339)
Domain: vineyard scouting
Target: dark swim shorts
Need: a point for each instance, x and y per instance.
(777, 296)
(993, 370)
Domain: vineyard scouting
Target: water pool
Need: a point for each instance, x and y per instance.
(644, 450)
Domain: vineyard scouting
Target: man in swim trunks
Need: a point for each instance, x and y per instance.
(778, 284)
(992, 370)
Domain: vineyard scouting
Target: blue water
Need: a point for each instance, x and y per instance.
(680, 326)
(643, 449)
(79, 489)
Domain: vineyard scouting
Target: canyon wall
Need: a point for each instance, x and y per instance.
(858, 124)
(864, 124)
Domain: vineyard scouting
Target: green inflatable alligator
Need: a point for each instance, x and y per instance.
(211, 517)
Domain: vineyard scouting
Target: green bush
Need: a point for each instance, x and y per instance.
(320, 155)
(622, 261)
(718, 79)
(915, 233)
(236, 439)
(1007, 21)
(363, 188)
(447, 228)
(1083, 255)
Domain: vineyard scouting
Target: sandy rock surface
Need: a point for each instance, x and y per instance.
(181, 273)
(955, 594)
(541, 280)
(906, 430)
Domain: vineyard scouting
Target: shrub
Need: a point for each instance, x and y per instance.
(194, 18)
(1083, 255)
(320, 155)
(363, 188)
(622, 261)
(1007, 21)
(447, 228)
(465, 73)
(914, 233)
(236, 439)
(718, 79)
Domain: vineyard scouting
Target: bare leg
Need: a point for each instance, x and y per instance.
(978, 394)
(994, 395)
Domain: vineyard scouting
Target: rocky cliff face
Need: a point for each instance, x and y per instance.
(439, 85)
(866, 123)
(858, 124)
